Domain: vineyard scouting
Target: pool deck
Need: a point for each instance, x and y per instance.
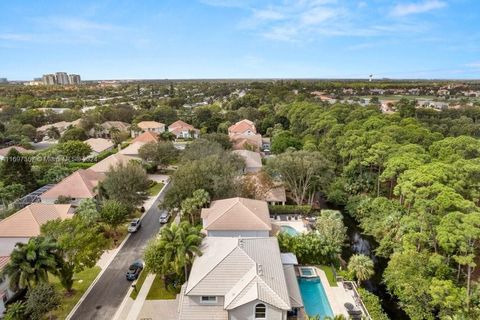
(337, 296)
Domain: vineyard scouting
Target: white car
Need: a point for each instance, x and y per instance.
(135, 225)
(164, 217)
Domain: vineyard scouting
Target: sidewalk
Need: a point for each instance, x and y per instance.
(141, 297)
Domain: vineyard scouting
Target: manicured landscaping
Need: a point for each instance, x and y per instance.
(82, 281)
(330, 274)
(155, 189)
(138, 285)
(158, 291)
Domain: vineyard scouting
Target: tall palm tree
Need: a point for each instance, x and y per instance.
(188, 241)
(180, 243)
(361, 266)
(30, 263)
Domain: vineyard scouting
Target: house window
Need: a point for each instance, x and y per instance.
(260, 311)
(208, 299)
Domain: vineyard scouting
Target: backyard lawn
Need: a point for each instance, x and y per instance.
(81, 283)
(155, 189)
(158, 291)
(330, 275)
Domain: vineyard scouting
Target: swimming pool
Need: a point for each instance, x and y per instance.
(289, 230)
(314, 297)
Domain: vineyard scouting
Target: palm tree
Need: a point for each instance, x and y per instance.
(337, 317)
(30, 263)
(361, 266)
(188, 242)
(15, 311)
(180, 244)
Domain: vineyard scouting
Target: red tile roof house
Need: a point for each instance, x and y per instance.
(243, 127)
(244, 136)
(79, 185)
(152, 126)
(183, 130)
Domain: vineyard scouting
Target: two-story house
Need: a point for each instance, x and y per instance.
(183, 130)
(241, 274)
(240, 279)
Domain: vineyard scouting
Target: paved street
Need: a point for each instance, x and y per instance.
(106, 296)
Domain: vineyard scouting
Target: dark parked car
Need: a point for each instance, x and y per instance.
(134, 270)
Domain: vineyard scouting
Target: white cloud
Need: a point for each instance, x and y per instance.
(317, 15)
(475, 65)
(15, 36)
(268, 15)
(405, 9)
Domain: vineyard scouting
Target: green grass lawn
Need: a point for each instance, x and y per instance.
(82, 281)
(139, 284)
(158, 291)
(155, 189)
(330, 275)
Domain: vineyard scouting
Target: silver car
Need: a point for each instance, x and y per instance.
(135, 225)
(164, 217)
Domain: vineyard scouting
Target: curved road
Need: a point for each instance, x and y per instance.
(108, 293)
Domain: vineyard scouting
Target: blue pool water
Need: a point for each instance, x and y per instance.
(314, 297)
(289, 230)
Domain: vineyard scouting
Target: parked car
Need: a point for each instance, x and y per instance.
(134, 270)
(164, 217)
(135, 225)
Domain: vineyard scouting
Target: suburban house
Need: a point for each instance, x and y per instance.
(265, 189)
(152, 126)
(5, 292)
(132, 149)
(61, 126)
(243, 127)
(244, 136)
(20, 227)
(99, 145)
(247, 142)
(112, 162)
(253, 161)
(105, 129)
(240, 279)
(237, 217)
(82, 184)
(183, 130)
(4, 151)
(147, 137)
(26, 223)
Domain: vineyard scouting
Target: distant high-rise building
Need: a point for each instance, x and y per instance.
(3, 80)
(49, 79)
(62, 78)
(74, 79)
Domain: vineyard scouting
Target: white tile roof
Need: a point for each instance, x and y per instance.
(242, 270)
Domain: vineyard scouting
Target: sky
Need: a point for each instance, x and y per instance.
(180, 39)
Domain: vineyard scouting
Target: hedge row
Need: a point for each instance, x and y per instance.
(290, 209)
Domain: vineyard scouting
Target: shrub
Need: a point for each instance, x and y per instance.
(372, 303)
(290, 209)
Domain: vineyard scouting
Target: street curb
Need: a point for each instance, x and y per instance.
(72, 312)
